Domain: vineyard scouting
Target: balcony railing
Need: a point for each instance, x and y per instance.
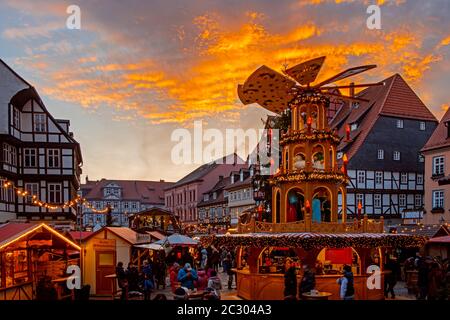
(364, 225)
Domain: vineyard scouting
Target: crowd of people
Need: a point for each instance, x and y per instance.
(433, 277)
(184, 270)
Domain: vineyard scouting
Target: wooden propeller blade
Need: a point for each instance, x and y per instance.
(363, 85)
(268, 88)
(306, 72)
(345, 74)
(345, 97)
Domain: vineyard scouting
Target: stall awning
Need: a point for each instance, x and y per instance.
(440, 240)
(11, 233)
(308, 240)
(151, 246)
(178, 240)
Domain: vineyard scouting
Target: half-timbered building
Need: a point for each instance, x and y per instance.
(39, 155)
(382, 139)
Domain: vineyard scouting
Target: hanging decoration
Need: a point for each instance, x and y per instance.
(34, 200)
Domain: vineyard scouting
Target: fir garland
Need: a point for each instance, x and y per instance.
(305, 176)
(314, 136)
(309, 241)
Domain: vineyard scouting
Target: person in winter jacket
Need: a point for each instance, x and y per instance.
(173, 274)
(290, 281)
(308, 281)
(215, 283)
(347, 289)
(187, 276)
(202, 281)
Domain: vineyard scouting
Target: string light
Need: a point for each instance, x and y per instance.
(53, 206)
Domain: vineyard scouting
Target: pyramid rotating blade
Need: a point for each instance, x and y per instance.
(345, 74)
(306, 72)
(268, 88)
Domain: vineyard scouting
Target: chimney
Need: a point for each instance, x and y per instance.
(351, 90)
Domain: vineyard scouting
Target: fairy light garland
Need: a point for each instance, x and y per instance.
(52, 206)
(295, 137)
(302, 176)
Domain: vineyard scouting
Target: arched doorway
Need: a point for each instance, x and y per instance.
(321, 205)
(294, 205)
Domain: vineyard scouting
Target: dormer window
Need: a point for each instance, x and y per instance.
(400, 123)
(232, 178)
(215, 195)
(40, 122)
(206, 197)
(16, 117)
(354, 126)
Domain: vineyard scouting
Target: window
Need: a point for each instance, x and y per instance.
(422, 125)
(53, 158)
(30, 158)
(378, 177)
(418, 200)
(134, 205)
(340, 154)
(6, 194)
(396, 155)
(402, 200)
(215, 195)
(377, 200)
(438, 199)
(353, 126)
(361, 177)
(33, 190)
(380, 154)
(400, 123)
(40, 122)
(359, 198)
(420, 179)
(54, 193)
(438, 165)
(421, 158)
(403, 177)
(9, 154)
(16, 118)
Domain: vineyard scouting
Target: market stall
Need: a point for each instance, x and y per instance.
(261, 259)
(31, 257)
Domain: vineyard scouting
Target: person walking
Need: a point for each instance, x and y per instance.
(308, 281)
(392, 269)
(174, 269)
(347, 289)
(422, 278)
(122, 280)
(187, 276)
(148, 284)
(203, 258)
(290, 281)
(228, 264)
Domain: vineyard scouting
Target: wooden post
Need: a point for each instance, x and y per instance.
(381, 224)
(365, 222)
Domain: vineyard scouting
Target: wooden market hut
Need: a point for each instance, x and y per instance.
(30, 252)
(102, 250)
(155, 219)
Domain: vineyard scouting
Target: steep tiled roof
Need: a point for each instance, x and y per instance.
(199, 173)
(439, 137)
(395, 99)
(145, 191)
(218, 188)
(10, 231)
(238, 184)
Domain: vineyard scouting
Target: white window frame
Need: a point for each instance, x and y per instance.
(361, 177)
(418, 200)
(422, 126)
(438, 199)
(40, 122)
(399, 123)
(380, 154)
(359, 198)
(32, 188)
(396, 156)
(403, 177)
(16, 118)
(438, 165)
(378, 177)
(402, 200)
(419, 178)
(53, 158)
(377, 200)
(54, 193)
(30, 157)
(421, 158)
(354, 126)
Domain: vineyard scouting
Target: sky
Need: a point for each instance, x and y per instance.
(138, 70)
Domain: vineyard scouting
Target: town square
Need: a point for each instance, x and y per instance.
(232, 151)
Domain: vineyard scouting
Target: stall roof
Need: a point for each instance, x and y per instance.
(76, 234)
(156, 234)
(12, 232)
(309, 240)
(443, 240)
(127, 234)
(178, 240)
